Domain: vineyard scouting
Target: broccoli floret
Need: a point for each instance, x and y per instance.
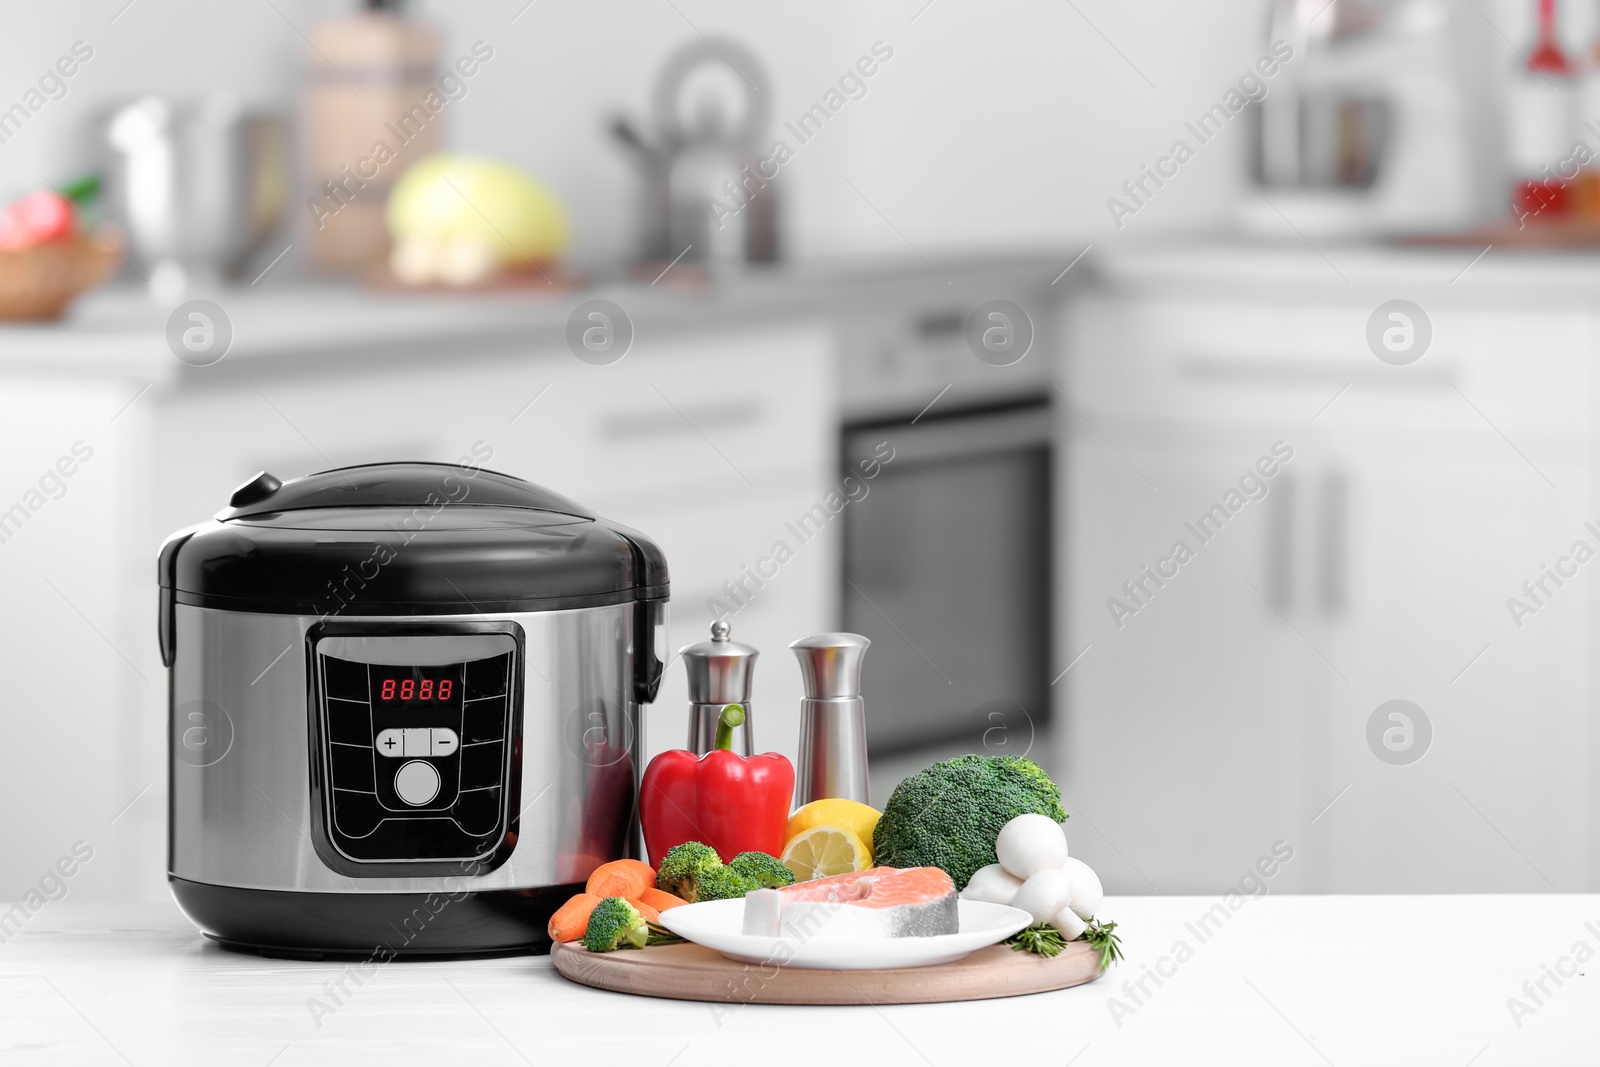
(1034, 774)
(949, 815)
(720, 883)
(695, 872)
(682, 864)
(613, 924)
(767, 872)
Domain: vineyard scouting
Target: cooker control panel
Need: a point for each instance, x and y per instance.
(417, 749)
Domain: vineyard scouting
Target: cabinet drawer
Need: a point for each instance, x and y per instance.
(726, 412)
(1228, 362)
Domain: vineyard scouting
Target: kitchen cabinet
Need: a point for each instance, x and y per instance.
(1232, 709)
(82, 678)
(1175, 721)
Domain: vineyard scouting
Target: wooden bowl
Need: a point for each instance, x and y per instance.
(37, 284)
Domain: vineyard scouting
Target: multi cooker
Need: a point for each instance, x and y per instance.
(404, 705)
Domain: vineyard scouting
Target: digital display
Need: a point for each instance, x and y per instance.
(408, 689)
(416, 686)
(419, 757)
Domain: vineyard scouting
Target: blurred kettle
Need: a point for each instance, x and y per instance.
(706, 201)
(197, 186)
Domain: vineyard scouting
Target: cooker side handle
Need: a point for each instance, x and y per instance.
(650, 587)
(167, 576)
(649, 660)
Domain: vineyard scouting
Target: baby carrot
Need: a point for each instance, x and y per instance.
(621, 878)
(660, 899)
(572, 918)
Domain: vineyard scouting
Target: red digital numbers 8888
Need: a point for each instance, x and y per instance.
(416, 689)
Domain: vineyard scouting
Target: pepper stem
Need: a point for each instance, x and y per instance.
(732, 715)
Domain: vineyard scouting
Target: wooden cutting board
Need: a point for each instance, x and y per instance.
(694, 972)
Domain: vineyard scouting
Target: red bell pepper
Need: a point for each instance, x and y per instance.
(729, 802)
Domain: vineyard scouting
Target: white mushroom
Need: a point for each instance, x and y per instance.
(1069, 924)
(1045, 894)
(992, 884)
(1029, 844)
(1087, 895)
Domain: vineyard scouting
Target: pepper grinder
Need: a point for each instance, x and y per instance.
(721, 672)
(833, 720)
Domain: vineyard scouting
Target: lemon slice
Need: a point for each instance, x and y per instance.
(851, 815)
(823, 851)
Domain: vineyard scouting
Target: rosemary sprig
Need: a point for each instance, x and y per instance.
(1103, 937)
(660, 935)
(1041, 939)
(1045, 940)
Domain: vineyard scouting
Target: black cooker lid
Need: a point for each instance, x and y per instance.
(407, 539)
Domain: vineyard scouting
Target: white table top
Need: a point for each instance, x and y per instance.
(1282, 980)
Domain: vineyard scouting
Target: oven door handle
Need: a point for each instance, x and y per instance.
(1280, 547)
(1334, 531)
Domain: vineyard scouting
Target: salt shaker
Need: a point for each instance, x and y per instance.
(721, 672)
(833, 721)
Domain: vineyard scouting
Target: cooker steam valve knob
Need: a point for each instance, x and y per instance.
(255, 490)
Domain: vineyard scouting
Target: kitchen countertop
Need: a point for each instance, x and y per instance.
(1279, 980)
(119, 330)
(1321, 268)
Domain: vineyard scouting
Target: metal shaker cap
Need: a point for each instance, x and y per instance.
(721, 671)
(830, 664)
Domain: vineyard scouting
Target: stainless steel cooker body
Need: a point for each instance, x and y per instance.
(251, 767)
(399, 727)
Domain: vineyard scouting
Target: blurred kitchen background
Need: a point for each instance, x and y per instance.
(1203, 216)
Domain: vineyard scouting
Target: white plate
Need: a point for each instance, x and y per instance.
(718, 925)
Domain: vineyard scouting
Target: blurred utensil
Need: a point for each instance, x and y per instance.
(197, 186)
(365, 74)
(1381, 122)
(704, 153)
(655, 166)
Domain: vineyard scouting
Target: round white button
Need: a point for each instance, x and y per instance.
(417, 782)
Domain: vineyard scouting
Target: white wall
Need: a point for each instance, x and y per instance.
(169, 48)
(1003, 124)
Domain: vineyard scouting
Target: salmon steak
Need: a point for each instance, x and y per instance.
(878, 902)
